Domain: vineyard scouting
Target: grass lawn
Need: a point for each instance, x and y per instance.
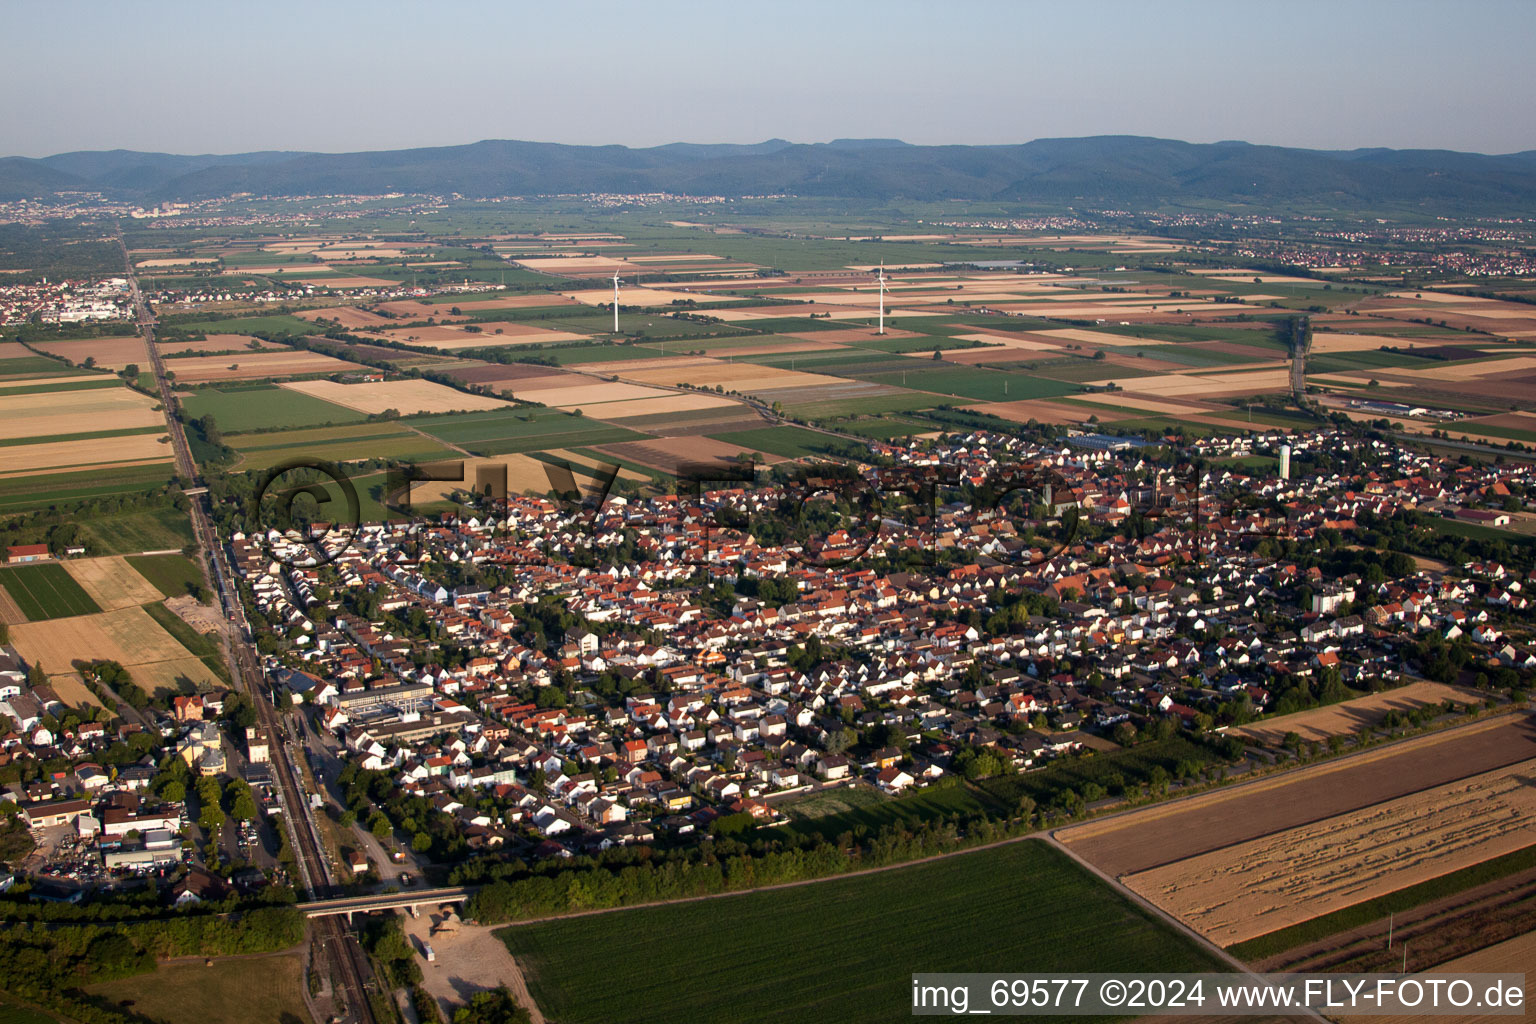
(235, 990)
(128, 533)
(172, 575)
(843, 950)
(46, 592)
(263, 408)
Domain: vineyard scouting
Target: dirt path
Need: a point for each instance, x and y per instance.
(468, 961)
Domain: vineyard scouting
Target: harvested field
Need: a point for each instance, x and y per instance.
(1227, 382)
(667, 453)
(1253, 888)
(495, 373)
(514, 302)
(1352, 716)
(1087, 337)
(54, 413)
(1326, 342)
(255, 365)
(409, 397)
(113, 353)
(524, 473)
(452, 337)
(748, 377)
(62, 456)
(128, 636)
(1120, 400)
(1143, 839)
(645, 298)
(533, 386)
(112, 582)
(241, 343)
(594, 393)
(10, 612)
(1513, 956)
(669, 403)
(70, 686)
(347, 316)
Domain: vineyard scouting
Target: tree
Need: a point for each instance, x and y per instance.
(131, 371)
(244, 808)
(378, 824)
(494, 1007)
(421, 842)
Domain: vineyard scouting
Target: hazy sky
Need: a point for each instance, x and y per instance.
(210, 76)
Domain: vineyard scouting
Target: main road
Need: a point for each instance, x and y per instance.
(336, 945)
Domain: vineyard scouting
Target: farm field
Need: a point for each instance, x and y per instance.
(256, 366)
(506, 433)
(1352, 716)
(1253, 888)
(408, 397)
(125, 533)
(129, 636)
(113, 353)
(357, 447)
(112, 582)
(233, 990)
(170, 575)
(264, 407)
(866, 931)
(49, 413)
(46, 592)
(1143, 839)
(1513, 956)
(50, 457)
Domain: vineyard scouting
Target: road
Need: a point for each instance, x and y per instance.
(347, 963)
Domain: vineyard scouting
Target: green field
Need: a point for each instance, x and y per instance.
(172, 575)
(275, 325)
(358, 444)
(844, 950)
(202, 646)
(238, 410)
(46, 592)
(19, 365)
(126, 533)
(22, 387)
(793, 442)
(502, 433)
(232, 990)
(48, 489)
(900, 401)
(966, 382)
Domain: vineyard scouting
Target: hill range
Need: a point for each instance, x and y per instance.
(1114, 169)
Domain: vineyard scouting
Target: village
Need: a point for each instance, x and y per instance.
(545, 703)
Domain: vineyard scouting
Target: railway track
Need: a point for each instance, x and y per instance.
(347, 964)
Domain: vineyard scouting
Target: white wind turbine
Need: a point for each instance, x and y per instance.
(615, 302)
(881, 280)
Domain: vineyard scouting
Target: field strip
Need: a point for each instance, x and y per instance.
(1144, 838)
(1239, 892)
(10, 614)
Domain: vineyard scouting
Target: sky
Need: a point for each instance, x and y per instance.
(340, 76)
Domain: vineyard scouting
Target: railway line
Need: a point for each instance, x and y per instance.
(338, 953)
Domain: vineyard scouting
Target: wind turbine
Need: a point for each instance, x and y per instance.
(881, 280)
(615, 302)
